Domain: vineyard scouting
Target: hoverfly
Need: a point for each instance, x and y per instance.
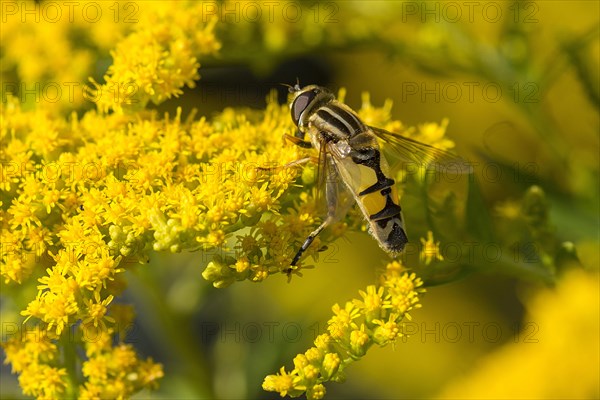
(349, 150)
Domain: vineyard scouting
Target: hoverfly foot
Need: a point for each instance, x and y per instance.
(289, 272)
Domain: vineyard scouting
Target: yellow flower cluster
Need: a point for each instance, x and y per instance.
(78, 208)
(158, 59)
(115, 188)
(33, 354)
(49, 51)
(374, 319)
(110, 372)
(116, 372)
(42, 56)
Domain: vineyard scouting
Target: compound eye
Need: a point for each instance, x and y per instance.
(301, 103)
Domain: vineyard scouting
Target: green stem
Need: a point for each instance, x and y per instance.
(427, 205)
(70, 364)
(167, 328)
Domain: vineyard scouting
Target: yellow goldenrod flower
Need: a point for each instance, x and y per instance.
(434, 134)
(331, 363)
(375, 116)
(96, 311)
(59, 310)
(102, 339)
(386, 332)
(316, 392)
(23, 214)
(28, 347)
(341, 324)
(43, 381)
(117, 372)
(359, 342)
(157, 60)
(372, 302)
(350, 334)
(430, 250)
(283, 383)
(15, 266)
(558, 336)
(85, 192)
(33, 354)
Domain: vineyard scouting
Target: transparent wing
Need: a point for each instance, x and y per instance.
(344, 199)
(321, 178)
(327, 176)
(422, 155)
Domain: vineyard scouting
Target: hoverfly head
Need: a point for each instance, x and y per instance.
(304, 99)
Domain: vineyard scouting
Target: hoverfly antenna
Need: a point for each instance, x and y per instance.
(291, 88)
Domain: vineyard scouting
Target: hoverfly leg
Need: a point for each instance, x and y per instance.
(331, 193)
(299, 162)
(298, 140)
(310, 239)
(296, 163)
